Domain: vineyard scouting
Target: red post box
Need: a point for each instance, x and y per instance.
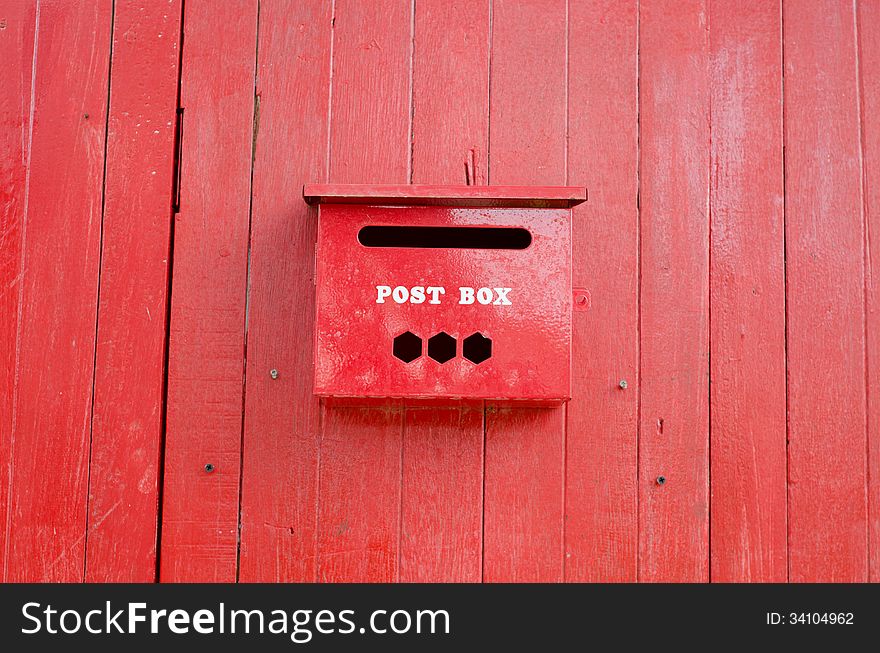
(443, 292)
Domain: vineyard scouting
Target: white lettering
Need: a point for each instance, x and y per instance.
(394, 616)
(400, 294)
(49, 612)
(178, 622)
(278, 625)
(435, 292)
(299, 634)
(24, 612)
(432, 294)
(373, 626)
(154, 619)
(112, 621)
(134, 616)
(502, 297)
(76, 620)
(93, 631)
(203, 622)
(382, 293)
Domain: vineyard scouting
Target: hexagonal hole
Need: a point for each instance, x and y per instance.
(441, 347)
(407, 347)
(477, 348)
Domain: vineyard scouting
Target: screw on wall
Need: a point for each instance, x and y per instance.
(273, 373)
(209, 468)
(581, 300)
(661, 480)
(623, 384)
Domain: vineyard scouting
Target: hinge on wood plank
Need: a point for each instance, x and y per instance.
(178, 149)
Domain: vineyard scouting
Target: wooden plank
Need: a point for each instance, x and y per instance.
(57, 292)
(16, 97)
(370, 119)
(601, 495)
(825, 271)
(359, 509)
(523, 502)
(525, 447)
(442, 484)
(451, 93)
(130, 358)
(360, 453)
(442, 495)
(282, 416)
(747, 296)
(674, 172)
(869, 68)
(206, 349)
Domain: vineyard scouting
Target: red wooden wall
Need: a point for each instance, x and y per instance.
(732, 153)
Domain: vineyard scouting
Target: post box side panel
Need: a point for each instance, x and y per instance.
(526, 317)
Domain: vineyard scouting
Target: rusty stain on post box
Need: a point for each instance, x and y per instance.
(443, 292)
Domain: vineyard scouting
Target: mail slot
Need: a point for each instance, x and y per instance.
(443, 292)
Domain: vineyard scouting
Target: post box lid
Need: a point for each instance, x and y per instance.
(432, 195)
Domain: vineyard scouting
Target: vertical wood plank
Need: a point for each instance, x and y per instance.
(16, 97)
(869, 68)
(208, 307)
(442, 482)
(450, 92)
(360, 453)
(674, 172)
(371, 92)
(441, 520)
(359, 510)
(524, 459)
(48, 485)
(130, 358)
(825, 271)
(601, 496)
(747, 296)
(282, 416)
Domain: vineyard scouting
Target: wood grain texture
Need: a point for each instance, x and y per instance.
(442, 478)
(442, 495)
(525, 448)
(674, 172)
(747, 296)
(601, 495)
(130, 358)
(359, 509)
(371, 92)
(48, 484)
(208, 307)
(826, 321)
(868, 22)
(451, 92)
(282, 416)
(360, 451)
(16, 98)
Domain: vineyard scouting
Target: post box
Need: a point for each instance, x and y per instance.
(443, 292)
